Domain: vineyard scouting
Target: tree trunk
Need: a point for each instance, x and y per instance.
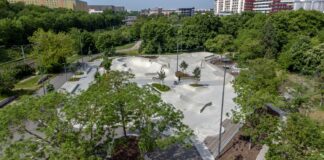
(123, 119)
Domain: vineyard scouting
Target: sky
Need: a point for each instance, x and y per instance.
(167, 4)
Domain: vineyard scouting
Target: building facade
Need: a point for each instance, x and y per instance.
(101, 8)
(309, 5)
(186, 11)
(68, 4)
(225, 7)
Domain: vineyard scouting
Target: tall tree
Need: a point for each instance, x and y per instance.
(51, 49)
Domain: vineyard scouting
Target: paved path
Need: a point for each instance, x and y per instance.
(59, 80)
(135, 47)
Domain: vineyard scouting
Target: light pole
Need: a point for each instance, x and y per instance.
(65, 72)
(222, 110)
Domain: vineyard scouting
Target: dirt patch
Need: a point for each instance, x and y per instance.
(317, 115)
(126, 149)
(238, 149)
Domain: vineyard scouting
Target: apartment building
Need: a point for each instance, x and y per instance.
(101, 8)
(309, 5)
(225, 7)
(68, 4)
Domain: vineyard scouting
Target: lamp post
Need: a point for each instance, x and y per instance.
(222, 110)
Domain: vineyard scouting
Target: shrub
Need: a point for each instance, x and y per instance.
(107, 63)
(50, 88)
(22, 71)
(73, 79)
(161, 87)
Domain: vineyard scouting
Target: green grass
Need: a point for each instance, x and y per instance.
(74, 79)
(132, 52)
(161, 87)
(2, 97)
(73, 58)
(28, 83)
(196, 85)
(126, 46)
(79, 73)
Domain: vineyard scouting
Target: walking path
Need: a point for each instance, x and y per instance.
(135, 47)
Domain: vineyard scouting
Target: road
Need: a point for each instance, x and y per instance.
(61, 78)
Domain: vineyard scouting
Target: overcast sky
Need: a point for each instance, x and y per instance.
(167, 4)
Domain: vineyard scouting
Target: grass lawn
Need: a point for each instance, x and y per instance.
(73, 58)
(132, 52)
(28, 83)
(161, 87)
(2, 97)
(126, 46)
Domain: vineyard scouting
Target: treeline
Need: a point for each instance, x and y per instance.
(292, 38)
(19, 21)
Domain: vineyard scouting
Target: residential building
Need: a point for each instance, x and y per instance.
(186, 11)
(101, 8)
(309, 5)
(225, 7)
(228, 7)
(68, 4)
(157, 11)
(129, 20)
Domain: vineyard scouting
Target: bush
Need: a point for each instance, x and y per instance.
(161, 87)
(22, 71)
(107, 63)
(73, 79)
(7, 81)
(79, 73)
(50, 88)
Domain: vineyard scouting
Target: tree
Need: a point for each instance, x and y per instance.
(197, 73)
(270, 40)
(255, 87)
(220, 44)
(299, 138)
(7, 81)
(51, 50)
(161, 75)
(107, 63)
(184, 65)
(83, 126)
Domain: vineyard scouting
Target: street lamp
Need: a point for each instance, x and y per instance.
(222, 110)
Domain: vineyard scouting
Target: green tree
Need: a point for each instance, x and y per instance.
(161, 75)
(220, 44)
(299, 138)
(60, 126)
(270, 40)
(197, 73)
(7, 81)
(51, 49)
(255, 87)
(183, 65)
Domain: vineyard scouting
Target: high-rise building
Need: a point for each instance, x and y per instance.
(68, 4)
(101, 8)
(225, 7)
(187, 11)
(309, 5)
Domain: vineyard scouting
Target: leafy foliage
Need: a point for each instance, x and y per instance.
(59, 126)
(51, 49)
(300, 138)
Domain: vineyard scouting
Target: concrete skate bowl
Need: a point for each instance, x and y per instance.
(141, 67)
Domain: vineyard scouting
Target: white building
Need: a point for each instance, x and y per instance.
(309, 5)
(225, 7)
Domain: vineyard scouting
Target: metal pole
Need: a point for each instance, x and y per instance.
(23, 53)
(221, 119)
(65, 72)
(44, 91)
